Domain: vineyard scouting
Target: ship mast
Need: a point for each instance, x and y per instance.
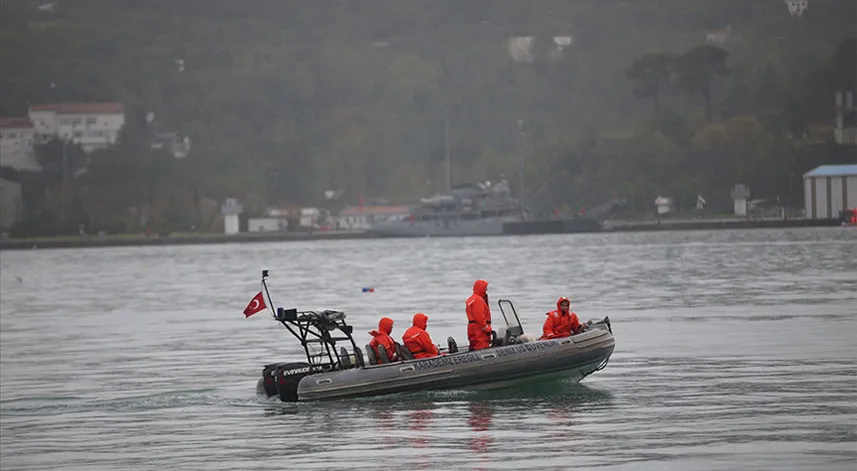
(521, 170)
(448, 163)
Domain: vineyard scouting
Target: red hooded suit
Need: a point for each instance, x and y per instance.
(560, 323)
(382, 337)
(417, 340)
(479, 317)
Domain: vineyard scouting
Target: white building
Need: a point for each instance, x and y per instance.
(719, 36)
(231, 209)
(740, 195)
(830, 189)
(93, 125)
(17, 140)
(309, 217)
(177, 145)
(663, 204)
(267, 224)
(364, 217)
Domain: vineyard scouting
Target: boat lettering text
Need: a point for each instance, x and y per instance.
(446, 361)
(296, 371)
(437, 362)
(524, 347)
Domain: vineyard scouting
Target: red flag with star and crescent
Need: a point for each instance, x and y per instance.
(256, 304)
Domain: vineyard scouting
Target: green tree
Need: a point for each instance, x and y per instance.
(735, 151)
(697, 69)
(59, 157)
(652, 72)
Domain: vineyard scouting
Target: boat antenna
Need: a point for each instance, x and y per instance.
(268, 294)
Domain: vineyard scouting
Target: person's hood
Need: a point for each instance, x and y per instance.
(559, 301)
(420, 320)
(480, 287)
(385, 325)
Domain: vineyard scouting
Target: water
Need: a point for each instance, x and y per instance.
(735, 350)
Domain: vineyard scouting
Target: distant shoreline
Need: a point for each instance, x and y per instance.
(129, 240)
(714, 224)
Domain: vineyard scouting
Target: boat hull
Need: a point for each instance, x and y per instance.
(453, 228)
(572, 357)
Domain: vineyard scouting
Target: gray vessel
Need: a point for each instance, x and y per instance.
(466, 210)
(329, 373)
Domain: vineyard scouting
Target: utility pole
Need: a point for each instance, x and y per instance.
(448, 163)
(64, 169)
(66, 190)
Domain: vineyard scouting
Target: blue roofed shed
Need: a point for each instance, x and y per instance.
(830, 189)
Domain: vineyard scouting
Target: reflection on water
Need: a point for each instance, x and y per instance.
(480, 417)
(735, 350)
(480, 422)
(419, 437)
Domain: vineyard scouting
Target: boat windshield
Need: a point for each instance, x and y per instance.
(510, 314)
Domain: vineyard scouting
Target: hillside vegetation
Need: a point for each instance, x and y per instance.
(283, 100)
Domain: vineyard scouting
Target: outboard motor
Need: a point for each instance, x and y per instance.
(287, 376)
(268, 382)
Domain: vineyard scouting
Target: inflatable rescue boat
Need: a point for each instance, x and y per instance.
(329, 373)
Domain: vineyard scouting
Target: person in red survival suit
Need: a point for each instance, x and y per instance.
(479, 317)
(561, 322)
(382, 337)
(417, 340)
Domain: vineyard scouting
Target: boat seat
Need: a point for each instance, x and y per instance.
(403, 352)
(370, 354)
(512, 335)
(382, 356)
(506, 336)
(515, 331)
(359, 356)
(453, 347)
(345, 359)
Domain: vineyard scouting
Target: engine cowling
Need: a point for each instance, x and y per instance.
(287, 377)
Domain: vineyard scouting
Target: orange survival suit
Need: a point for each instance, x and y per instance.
(417, 340)
(561, 322)
(479, 317)
(382, 337)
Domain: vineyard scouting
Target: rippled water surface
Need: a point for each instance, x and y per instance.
(735, 350)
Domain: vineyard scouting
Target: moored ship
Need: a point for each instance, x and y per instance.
(465, 210)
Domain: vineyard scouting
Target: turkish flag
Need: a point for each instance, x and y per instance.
(256, 304)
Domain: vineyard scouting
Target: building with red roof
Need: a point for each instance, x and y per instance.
(93, 125)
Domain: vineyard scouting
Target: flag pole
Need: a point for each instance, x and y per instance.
(268, 294)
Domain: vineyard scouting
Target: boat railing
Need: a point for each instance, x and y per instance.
(318, 333)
